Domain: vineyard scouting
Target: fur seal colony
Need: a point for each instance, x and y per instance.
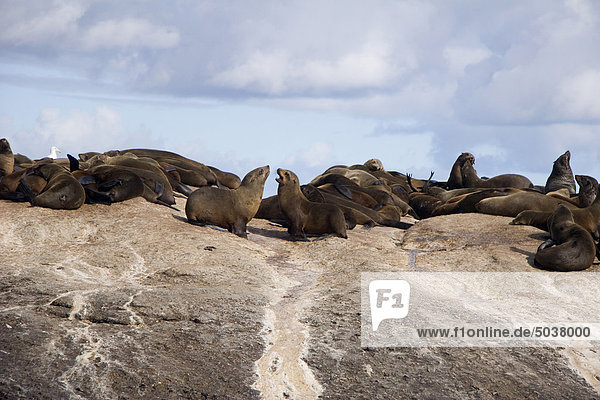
(330, 204)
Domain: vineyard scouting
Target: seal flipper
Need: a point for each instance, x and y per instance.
(184, 189)
(343, 190)
(95, 197)
(350, 220)
(159, 188)
(162, 203)
(106, 186)
(13, 196)
(239, 228)
(86, 180)
(26, 190)
(546, 244)
(73, 163)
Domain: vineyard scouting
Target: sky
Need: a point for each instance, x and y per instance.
(305, 85)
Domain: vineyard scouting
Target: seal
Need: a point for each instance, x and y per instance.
(9, 185)
(561, 175)
(192, 172)
(7, 159)
(231, 209)
(588, 217)
(158, 188)
(269, 209)
(358, 176)
(22, 161)
(315, 195)
(570, 247)
(374, 164)
(304, 216)
(513, 204)
(455, 178)
(62, 192)
(350, 214)
(470, 179)
(108, 184)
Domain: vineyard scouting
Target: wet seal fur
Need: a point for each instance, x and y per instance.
(561, 175)
(231, 209)
(304, 216)
(570, 247)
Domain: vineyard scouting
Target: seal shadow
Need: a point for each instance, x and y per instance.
(271, 233)
(543, 236)
(180, 218)
(184, 219)
(529, 254)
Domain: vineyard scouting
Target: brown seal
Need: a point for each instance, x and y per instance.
(9, 185)
(228, 208)
(63, 191)
(588, 217)
(513, 204)
(158, 187)
(192, 172)
(107, 184)
(470, 179)
(7, 159)
(561, 175)
(570, 247)
(304, 216)
(455, 178)
(315, 195)
(374, 164)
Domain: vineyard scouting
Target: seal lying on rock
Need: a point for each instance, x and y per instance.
(470, 179)
(588, 217)
(228, 208)
(63, 191)
(304, 216)
(570, 247)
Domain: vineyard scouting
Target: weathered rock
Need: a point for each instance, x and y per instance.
(130, 301)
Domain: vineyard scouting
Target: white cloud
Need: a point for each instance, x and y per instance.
(278, 72)
(56, 19)
(459, 57)
(72, 129)
(129, 32)
(577, 96)
(319, 154)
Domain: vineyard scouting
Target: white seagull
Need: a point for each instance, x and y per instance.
(53, 152)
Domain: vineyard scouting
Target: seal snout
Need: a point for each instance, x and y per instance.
(279, 179)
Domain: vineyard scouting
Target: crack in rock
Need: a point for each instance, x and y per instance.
(282, 371)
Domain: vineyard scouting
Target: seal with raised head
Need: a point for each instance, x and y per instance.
(7, 159)
(455, 178)
(228, 208)
(304, 216)
(570, 247)
(561, 175)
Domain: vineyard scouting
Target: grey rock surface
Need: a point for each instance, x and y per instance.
(130, 301)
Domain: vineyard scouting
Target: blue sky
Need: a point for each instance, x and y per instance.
(307, 84)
